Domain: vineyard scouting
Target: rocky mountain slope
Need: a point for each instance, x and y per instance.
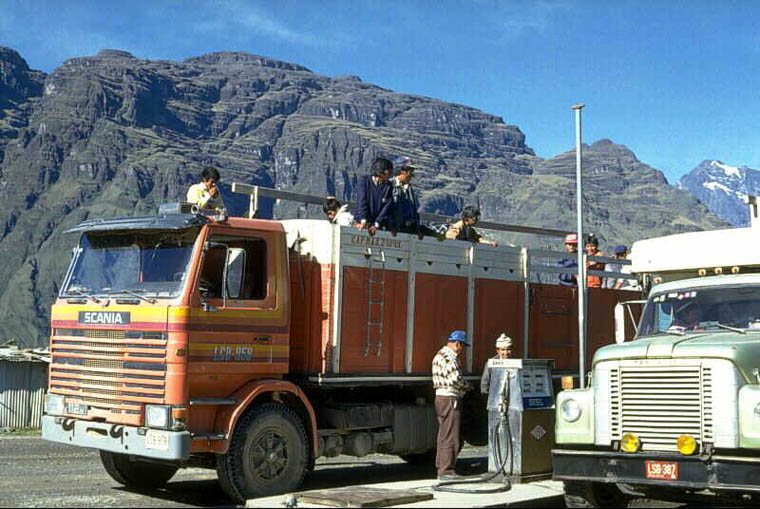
(115, 135)
(722, 189)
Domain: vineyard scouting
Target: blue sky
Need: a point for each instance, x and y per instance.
(675, 81)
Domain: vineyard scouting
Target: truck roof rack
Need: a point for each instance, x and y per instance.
(257, 192)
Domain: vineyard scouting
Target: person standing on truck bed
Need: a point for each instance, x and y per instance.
(503, 351)
(374, 196)
(571, 246)
(450, 387)
(337, 213)
(464, 228)
(620, 252)
(206, 195)
(592, 249)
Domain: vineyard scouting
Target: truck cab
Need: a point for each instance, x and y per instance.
(677, 409)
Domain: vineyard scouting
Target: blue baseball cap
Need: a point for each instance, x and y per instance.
(459, 336)
(620, 249)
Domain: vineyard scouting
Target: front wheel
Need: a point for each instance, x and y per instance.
(268, 454)
(593, 494)
(136, 473)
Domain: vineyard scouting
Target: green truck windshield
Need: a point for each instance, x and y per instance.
(697, 309)
(153, 263)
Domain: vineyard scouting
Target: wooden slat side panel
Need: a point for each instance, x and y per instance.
(554, 325)
(440, 307)
(498, 308)
(354, 356)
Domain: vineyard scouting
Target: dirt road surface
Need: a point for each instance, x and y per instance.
(36, 473)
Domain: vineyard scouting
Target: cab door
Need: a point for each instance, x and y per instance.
(238, 323)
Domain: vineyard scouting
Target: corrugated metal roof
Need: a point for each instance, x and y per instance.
(13, 354)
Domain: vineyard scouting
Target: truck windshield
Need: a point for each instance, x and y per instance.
(139, 262)
(698, 309)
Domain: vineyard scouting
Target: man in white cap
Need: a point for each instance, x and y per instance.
(503, 351)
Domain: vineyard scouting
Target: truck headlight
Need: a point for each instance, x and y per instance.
(54, 404)
(570, 409)
(157, 416)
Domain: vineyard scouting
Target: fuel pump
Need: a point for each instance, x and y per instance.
(520, 419)
(520, 426)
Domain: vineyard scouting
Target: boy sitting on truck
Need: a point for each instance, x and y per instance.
(206, 195)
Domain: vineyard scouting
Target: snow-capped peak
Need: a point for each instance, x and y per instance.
(730, 171)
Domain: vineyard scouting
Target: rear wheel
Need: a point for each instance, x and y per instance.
(268, 454)
(136, 473)
(594, 494)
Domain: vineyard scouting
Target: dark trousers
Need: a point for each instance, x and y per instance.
(448, 409)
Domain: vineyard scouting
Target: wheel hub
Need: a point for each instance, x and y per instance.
(269, 455)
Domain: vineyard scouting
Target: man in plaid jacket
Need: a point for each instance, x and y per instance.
(450, 386)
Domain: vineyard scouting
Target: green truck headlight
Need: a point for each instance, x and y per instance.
(570, 410)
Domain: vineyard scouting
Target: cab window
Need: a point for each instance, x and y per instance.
(245, 261)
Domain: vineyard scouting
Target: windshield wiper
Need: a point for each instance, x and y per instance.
(83, 294)
(132, 292)
(724, 326)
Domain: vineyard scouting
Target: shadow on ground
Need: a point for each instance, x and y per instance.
(327, 475)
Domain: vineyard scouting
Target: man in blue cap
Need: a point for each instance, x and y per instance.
(450, 387)
(621, 253)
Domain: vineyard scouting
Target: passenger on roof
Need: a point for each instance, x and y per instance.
(405, 216)
(374, 197)
(206, 195)
(337, 213)
(405, 208)
(571, 246)
(463, 229)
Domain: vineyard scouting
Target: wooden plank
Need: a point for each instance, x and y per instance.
(362, 496)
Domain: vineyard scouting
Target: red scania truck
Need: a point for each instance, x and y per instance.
(256, 346)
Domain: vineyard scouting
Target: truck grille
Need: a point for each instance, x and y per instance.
(112, 371)
(660, 403)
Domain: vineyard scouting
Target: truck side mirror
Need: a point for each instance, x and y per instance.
(620, 308)
(234, 273)
(619, 323)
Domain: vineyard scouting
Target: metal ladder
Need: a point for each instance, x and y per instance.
(375, 302)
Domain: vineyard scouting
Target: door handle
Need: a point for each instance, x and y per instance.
(263, 339)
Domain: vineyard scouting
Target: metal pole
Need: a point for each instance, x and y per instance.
(581, 248)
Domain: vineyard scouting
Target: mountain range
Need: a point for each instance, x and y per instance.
(114, 135)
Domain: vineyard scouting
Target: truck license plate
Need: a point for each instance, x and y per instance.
(158, 440)
(666, 470)
(75, 408)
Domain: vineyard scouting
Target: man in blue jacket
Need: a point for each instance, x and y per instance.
(374, 197)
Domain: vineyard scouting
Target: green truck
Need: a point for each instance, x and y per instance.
(675, 411)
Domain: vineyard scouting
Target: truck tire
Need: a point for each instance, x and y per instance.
(268, 454)
(593, 494)
(136, 473)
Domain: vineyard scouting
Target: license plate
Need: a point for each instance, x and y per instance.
(158, 440)
(76, 408)
(665, 470)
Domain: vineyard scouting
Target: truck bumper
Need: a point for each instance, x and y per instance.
(725, 473)
(167, 445)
